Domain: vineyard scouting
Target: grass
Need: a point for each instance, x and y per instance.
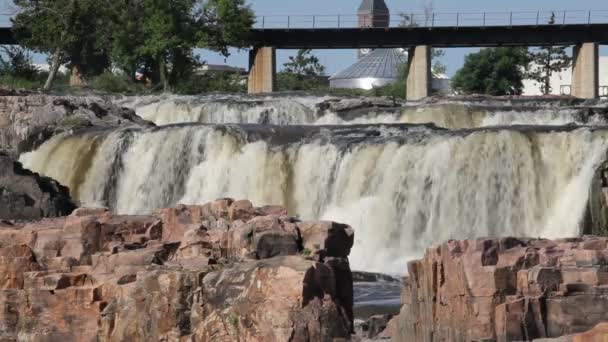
(112, 83)
(12, 82)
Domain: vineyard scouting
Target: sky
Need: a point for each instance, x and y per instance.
(335, 60)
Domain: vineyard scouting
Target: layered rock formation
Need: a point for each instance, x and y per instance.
(505, 290)
(224, 271)
(27, 196)
(26, 121)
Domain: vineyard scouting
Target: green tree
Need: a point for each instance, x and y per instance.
(302, 72)
(492, 71)
(304, 63)
(438, 66)
(69, 31)
(17, 62)
(547, 60)
(160, 36)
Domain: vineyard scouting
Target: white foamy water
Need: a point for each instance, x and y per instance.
(307, 110)
(401, 189)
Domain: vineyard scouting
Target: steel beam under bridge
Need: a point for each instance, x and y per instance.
(6, 36)
(441, 37)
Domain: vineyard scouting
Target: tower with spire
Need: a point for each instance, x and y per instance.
(372, 13)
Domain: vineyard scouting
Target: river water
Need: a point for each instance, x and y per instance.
(404, 178)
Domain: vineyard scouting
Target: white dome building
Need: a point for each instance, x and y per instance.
(378, 68)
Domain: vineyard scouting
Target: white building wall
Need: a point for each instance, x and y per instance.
(560, 82)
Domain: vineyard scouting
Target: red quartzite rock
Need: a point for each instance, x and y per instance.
(506, 290)
(224, 271)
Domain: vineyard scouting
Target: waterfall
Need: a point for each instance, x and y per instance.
(305, 110)
(226, 109)
(402, 187)
(464, 115)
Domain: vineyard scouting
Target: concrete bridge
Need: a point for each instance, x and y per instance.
(585, 30)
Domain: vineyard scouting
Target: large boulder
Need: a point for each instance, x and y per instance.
(177, 275)
(27, 196)
(26, 121)
(505, 290)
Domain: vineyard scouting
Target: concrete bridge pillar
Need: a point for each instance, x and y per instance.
(585, 71)
(262, 70)
(419, 73)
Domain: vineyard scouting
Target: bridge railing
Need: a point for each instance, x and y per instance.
(457, 19)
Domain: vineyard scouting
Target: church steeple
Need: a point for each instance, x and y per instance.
(372, 13)
(373, 5)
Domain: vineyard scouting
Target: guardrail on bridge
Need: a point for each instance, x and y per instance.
(464, 19)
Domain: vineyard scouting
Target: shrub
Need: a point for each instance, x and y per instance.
(111, 83)
(16, 82)
(17, 62)
(211, 82)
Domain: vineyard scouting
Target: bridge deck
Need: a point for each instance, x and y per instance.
(6, 36)
(394, 37)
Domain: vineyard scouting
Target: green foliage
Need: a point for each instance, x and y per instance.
(112, 83)
(16, 82)
(17, 62)
(303, 72)
(295, 82)
(304, 63)
(547, 60)
(212, 82)
(157, 36)
(18, 72)
(492, 71)
(36, 83)
(224, 23)
(438, 66)
(72, 31)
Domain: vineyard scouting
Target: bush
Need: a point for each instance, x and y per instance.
(16, 82)
(211, 82)
(294, 82)
(17, 62)
(112, 83)
(492, 71)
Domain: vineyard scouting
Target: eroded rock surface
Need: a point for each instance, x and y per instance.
(505, 290)
(27, 196)
(224, 271)
(26, 121)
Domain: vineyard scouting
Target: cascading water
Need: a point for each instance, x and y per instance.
(308, 110)
(403, 187)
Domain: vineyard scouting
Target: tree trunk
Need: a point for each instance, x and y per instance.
(76, 78)
(163, 74)
(547, 80)
(54, 68)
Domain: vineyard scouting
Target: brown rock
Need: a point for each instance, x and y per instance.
(27, 121)
(25, 195)
(597, 334)
(184, 274)
(249, 302)
(505, 290)
(241, 210)
(333, 238)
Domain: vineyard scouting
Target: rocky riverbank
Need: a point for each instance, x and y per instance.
(25, 195)
(506, 290)
(224, 271)
(404, 176)
(26, 121)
